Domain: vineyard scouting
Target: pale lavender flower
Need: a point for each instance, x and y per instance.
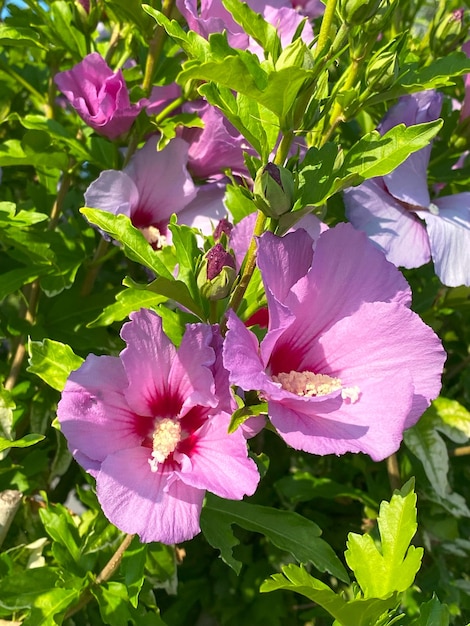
(345, 365)
(153, 186)
(99, 95)
(396, 210)
(151, 427)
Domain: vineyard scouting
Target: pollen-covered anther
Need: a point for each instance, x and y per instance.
(307, 383)
(166, 436)
(310, 384)
(154, 236)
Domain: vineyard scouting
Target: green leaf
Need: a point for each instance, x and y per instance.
(127, 301)
(113, 601)
(15, 279)
(239, 202)
(193, 44)
(170, 289)
(187, 256)
(255, 26)
(425, 441)
(49, 607)
(60, 526)
(394, 567)
(243, 413)
(376, 155)
(439, 73)
(63, 29)
(135, 246)
(304, 487)
(133, 569)
(6, 416)
(287, 530)
(358, 612)
(12, 153)
(24, 442)
(21, 36)
(432, 613)
(52, 361)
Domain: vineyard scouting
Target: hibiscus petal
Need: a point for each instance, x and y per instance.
(449, 234)
(190, 376)
(395, 230)
(147, 360)
(151, 504)
(114, 192)
(376, 342)
(162, 179)
(365, 426)
(219, 461)
(93, 412)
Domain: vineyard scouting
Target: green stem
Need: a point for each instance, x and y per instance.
(337, 113)
(174, 104)
(393, 472)
(326, 26)
(155, 48)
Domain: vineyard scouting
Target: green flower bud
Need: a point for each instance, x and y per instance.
(274, 190)
(358, 11)
(217, 273)
(448, 32)
(382, 70)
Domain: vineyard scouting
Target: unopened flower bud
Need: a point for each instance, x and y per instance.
(448, 32)
(274, 190)
(358, 11)
(382, 70)
(217, 273)
(224, 227)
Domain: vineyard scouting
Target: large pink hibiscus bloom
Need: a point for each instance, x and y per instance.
(345, 365)
(151, 426)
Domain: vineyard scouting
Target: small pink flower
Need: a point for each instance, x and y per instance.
(99, 96)
(153, 186)
(151, 426)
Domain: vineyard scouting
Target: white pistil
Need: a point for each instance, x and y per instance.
(310, 384)
(153, 236)
(166, 436)
(433, 208)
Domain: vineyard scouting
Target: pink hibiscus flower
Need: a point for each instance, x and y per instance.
(151, 426)
(345, 365)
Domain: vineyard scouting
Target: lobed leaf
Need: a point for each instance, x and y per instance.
(52, 361)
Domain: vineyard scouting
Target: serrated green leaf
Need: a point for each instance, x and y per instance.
(24, 442)
(113, 601)
(255, 26)
(394, 567)
(63, 28)
(50, 606)
(432, 613)
(52, 361)
(377, 155)
(135, 246)
(60, 526)
(287, 530)
(359, 612)
(127, 301)
(193, 44)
